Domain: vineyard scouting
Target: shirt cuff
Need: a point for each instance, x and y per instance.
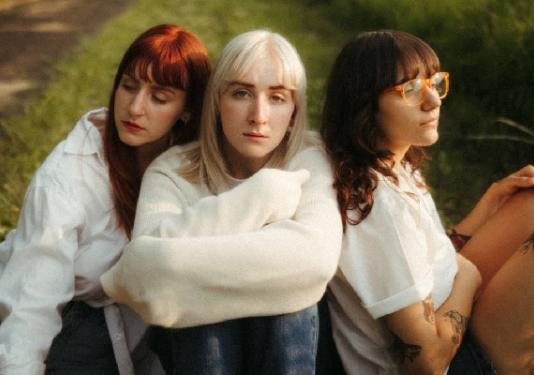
(407, 297)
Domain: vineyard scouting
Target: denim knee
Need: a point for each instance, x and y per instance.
(282, 344)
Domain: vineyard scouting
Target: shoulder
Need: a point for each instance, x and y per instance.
(166, 169)
(386, 197)
(75, 157)
(86, 136)
(311, 155)
(391, 212)
(173, 159)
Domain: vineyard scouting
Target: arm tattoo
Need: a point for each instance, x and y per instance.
(527, 245)
(428, 310)
(459, 325)
(402, 351)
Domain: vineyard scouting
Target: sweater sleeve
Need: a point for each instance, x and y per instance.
(280, 268)
(38, 280)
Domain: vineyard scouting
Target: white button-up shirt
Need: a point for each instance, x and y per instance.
(398, 255)
(66, 237)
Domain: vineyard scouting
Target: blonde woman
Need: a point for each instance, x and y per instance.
(240, 229)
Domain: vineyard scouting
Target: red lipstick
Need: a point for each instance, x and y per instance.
(131, 126)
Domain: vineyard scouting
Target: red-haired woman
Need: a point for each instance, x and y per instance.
(402, 296)
(79, 210)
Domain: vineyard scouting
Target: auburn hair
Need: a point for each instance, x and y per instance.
(365, 67)
(169, 56)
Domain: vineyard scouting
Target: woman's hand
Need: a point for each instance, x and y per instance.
(493, 199)
(499, 192)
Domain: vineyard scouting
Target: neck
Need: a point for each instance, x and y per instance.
(398, 157)
(146, 153)
(398, 153)
(242, 170)
(239, 166)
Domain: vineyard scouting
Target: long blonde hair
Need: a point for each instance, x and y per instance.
(207, 163)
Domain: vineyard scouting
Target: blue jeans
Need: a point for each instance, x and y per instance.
(83, 346)
(282, 344)
(470, 359)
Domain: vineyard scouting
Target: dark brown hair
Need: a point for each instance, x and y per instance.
(171, 56)
(366, 66)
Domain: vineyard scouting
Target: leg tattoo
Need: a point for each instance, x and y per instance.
(527, 245)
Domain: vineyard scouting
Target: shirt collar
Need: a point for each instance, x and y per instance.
(407, 183)
(85, 138)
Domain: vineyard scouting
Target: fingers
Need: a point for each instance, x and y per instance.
(526, 171)
(524, 182)
(523, 178)
(518, 181)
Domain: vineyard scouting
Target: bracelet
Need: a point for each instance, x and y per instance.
(458, 240)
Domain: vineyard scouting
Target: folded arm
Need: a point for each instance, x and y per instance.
(168, 205)
(426, 340)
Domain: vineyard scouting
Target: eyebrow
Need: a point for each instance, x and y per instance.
(246, 84)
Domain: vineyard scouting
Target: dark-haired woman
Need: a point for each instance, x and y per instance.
(79, 210)
(403, 297)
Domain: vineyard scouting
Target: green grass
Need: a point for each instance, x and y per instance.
(82, 81)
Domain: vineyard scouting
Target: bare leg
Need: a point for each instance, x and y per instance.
(495, 242)
(503, 317)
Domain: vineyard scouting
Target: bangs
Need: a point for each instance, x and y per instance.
(413, 56)
(292, 74)
(165, 67)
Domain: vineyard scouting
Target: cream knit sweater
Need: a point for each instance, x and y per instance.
(267, 246)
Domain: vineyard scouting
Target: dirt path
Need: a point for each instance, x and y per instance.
(34, 34)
